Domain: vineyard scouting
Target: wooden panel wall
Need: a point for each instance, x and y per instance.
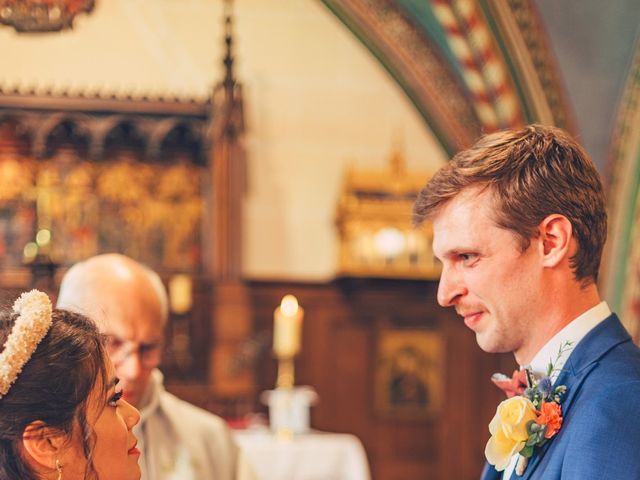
(341, 322)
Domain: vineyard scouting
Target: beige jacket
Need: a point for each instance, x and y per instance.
(179, 441)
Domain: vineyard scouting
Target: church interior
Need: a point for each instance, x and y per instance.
(251, 149)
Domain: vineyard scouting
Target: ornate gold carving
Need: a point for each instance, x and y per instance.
(42, 15)
(377, 238)
(149, 211)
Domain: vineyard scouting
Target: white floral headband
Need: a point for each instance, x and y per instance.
(33, 322)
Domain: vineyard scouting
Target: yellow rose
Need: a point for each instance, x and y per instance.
(508, 431)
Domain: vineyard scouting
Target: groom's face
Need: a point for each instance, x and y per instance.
(486, 276)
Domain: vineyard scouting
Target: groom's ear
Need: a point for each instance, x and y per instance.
(43, 444)
(556, 240)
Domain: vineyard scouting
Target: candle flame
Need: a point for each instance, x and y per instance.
(289, 305)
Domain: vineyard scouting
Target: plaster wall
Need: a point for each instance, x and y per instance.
(316, 101)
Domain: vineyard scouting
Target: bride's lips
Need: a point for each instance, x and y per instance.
(134, 450)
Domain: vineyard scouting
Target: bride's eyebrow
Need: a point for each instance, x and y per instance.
(112, 383)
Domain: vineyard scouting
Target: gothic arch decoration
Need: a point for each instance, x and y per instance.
(621, 268)
(126, 135)
(98, 181)
(483, 70)
(171, 135)
(468, 67)
(416, 64)
(521, 36)
(62, 131)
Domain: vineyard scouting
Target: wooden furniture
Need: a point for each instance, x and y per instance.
(344, 321)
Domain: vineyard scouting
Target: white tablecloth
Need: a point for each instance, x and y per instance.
(311, 456)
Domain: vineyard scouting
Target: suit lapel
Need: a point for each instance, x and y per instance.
(573, 383)
(584, 358)
(490, 473)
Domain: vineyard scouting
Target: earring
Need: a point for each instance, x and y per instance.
(59, 469)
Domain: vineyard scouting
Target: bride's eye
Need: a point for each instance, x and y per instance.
(113, 401)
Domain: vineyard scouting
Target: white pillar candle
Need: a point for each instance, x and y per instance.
(287, 327)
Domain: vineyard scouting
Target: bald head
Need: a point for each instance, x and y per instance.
(129, 303)
(98, 285)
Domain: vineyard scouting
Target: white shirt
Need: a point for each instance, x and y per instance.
(179, 441)
(573, 333)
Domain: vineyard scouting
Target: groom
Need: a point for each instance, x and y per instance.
(519, 224)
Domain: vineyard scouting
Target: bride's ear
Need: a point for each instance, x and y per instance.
(42, 444)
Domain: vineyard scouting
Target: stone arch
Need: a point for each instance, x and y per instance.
(123, 134)
(64, 131)
(179, 138)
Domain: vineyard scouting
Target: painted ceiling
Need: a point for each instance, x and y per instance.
(468, 66)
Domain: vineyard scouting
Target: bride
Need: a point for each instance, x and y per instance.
(61, 412)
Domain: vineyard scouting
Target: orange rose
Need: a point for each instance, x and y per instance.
(550, 415)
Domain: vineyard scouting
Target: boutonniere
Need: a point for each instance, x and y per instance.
(529, 418)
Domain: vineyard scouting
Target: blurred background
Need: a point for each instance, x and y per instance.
(251, 149)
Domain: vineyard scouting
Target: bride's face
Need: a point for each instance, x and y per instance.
(110, 418)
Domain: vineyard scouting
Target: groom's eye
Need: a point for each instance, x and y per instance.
(468, 258)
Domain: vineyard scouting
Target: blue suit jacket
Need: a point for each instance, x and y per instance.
(600, 434)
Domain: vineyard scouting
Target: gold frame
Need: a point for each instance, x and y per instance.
(409, 373)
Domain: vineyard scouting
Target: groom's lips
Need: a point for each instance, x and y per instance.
(472, 319)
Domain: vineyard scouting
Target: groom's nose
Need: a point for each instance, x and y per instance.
(451, 287)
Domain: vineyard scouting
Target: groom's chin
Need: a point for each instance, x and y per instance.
(490, 344)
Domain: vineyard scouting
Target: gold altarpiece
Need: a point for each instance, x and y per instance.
(102, 191)
(376, 235)
(160, 181)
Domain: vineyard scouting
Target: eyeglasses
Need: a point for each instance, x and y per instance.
(150, 354)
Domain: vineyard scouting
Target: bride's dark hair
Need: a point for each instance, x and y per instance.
(53, 387)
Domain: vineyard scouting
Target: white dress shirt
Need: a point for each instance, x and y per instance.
(179, 441)
(572, 333)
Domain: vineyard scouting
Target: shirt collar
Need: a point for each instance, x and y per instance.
(572, 333)
(151, 397)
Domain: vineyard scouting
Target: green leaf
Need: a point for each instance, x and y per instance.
(535, 428)
(526, 451)
(542, 431)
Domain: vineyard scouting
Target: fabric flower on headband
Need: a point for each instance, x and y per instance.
(33, 322)
(530, 417)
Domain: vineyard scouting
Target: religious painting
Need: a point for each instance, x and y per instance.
(408, 373)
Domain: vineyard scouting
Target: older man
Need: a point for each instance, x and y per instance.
(129, 303)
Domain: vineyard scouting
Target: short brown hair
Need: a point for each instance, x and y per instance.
(532, 172)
